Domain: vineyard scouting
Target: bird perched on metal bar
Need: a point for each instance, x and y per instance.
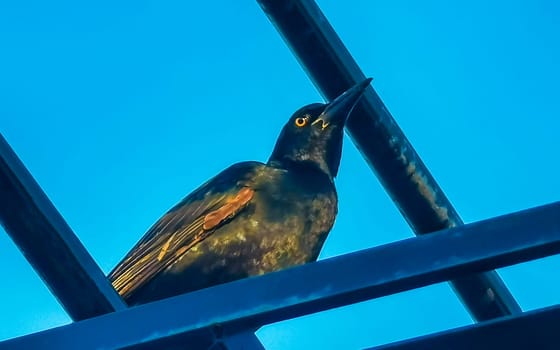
(250, 219)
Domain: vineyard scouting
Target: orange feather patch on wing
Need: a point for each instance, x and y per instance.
(228, 210)
(184, 226)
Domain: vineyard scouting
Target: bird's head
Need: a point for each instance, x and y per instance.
(314, 132)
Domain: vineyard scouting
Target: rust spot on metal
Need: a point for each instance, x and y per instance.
(421, 182)
(490, 295)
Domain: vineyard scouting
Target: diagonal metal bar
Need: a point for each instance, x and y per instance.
(49, 244)
(382, 143)
(59, 257)
(530, 330)
(246, 340)
(253, 302)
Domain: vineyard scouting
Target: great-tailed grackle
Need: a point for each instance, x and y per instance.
(250, 219)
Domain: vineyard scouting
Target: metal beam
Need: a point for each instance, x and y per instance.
(382, 143)
(49, 244)
(250, 303)
(530, 330)
(59, 257)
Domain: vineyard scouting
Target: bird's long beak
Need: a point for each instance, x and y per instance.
(339, 109)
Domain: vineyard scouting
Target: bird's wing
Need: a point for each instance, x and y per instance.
(185, 225)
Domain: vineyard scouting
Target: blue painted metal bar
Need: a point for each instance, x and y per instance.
(49, 244)
(386, 149)
(250, 303)
(240, 341)
(57, 254)
(536, 329)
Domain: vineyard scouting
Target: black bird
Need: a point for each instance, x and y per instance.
(250, 219)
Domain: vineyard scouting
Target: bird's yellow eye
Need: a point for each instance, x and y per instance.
(301, 122)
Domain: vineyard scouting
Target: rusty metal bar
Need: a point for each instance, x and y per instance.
(382, 143)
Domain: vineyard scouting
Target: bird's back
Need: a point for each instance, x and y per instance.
(259, 218)
(250, 219)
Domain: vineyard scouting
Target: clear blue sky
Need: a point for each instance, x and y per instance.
(121, 109)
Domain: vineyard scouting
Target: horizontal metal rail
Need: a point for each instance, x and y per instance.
(250, 303)
(49, 244)
(382, 143)
(536, 329)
